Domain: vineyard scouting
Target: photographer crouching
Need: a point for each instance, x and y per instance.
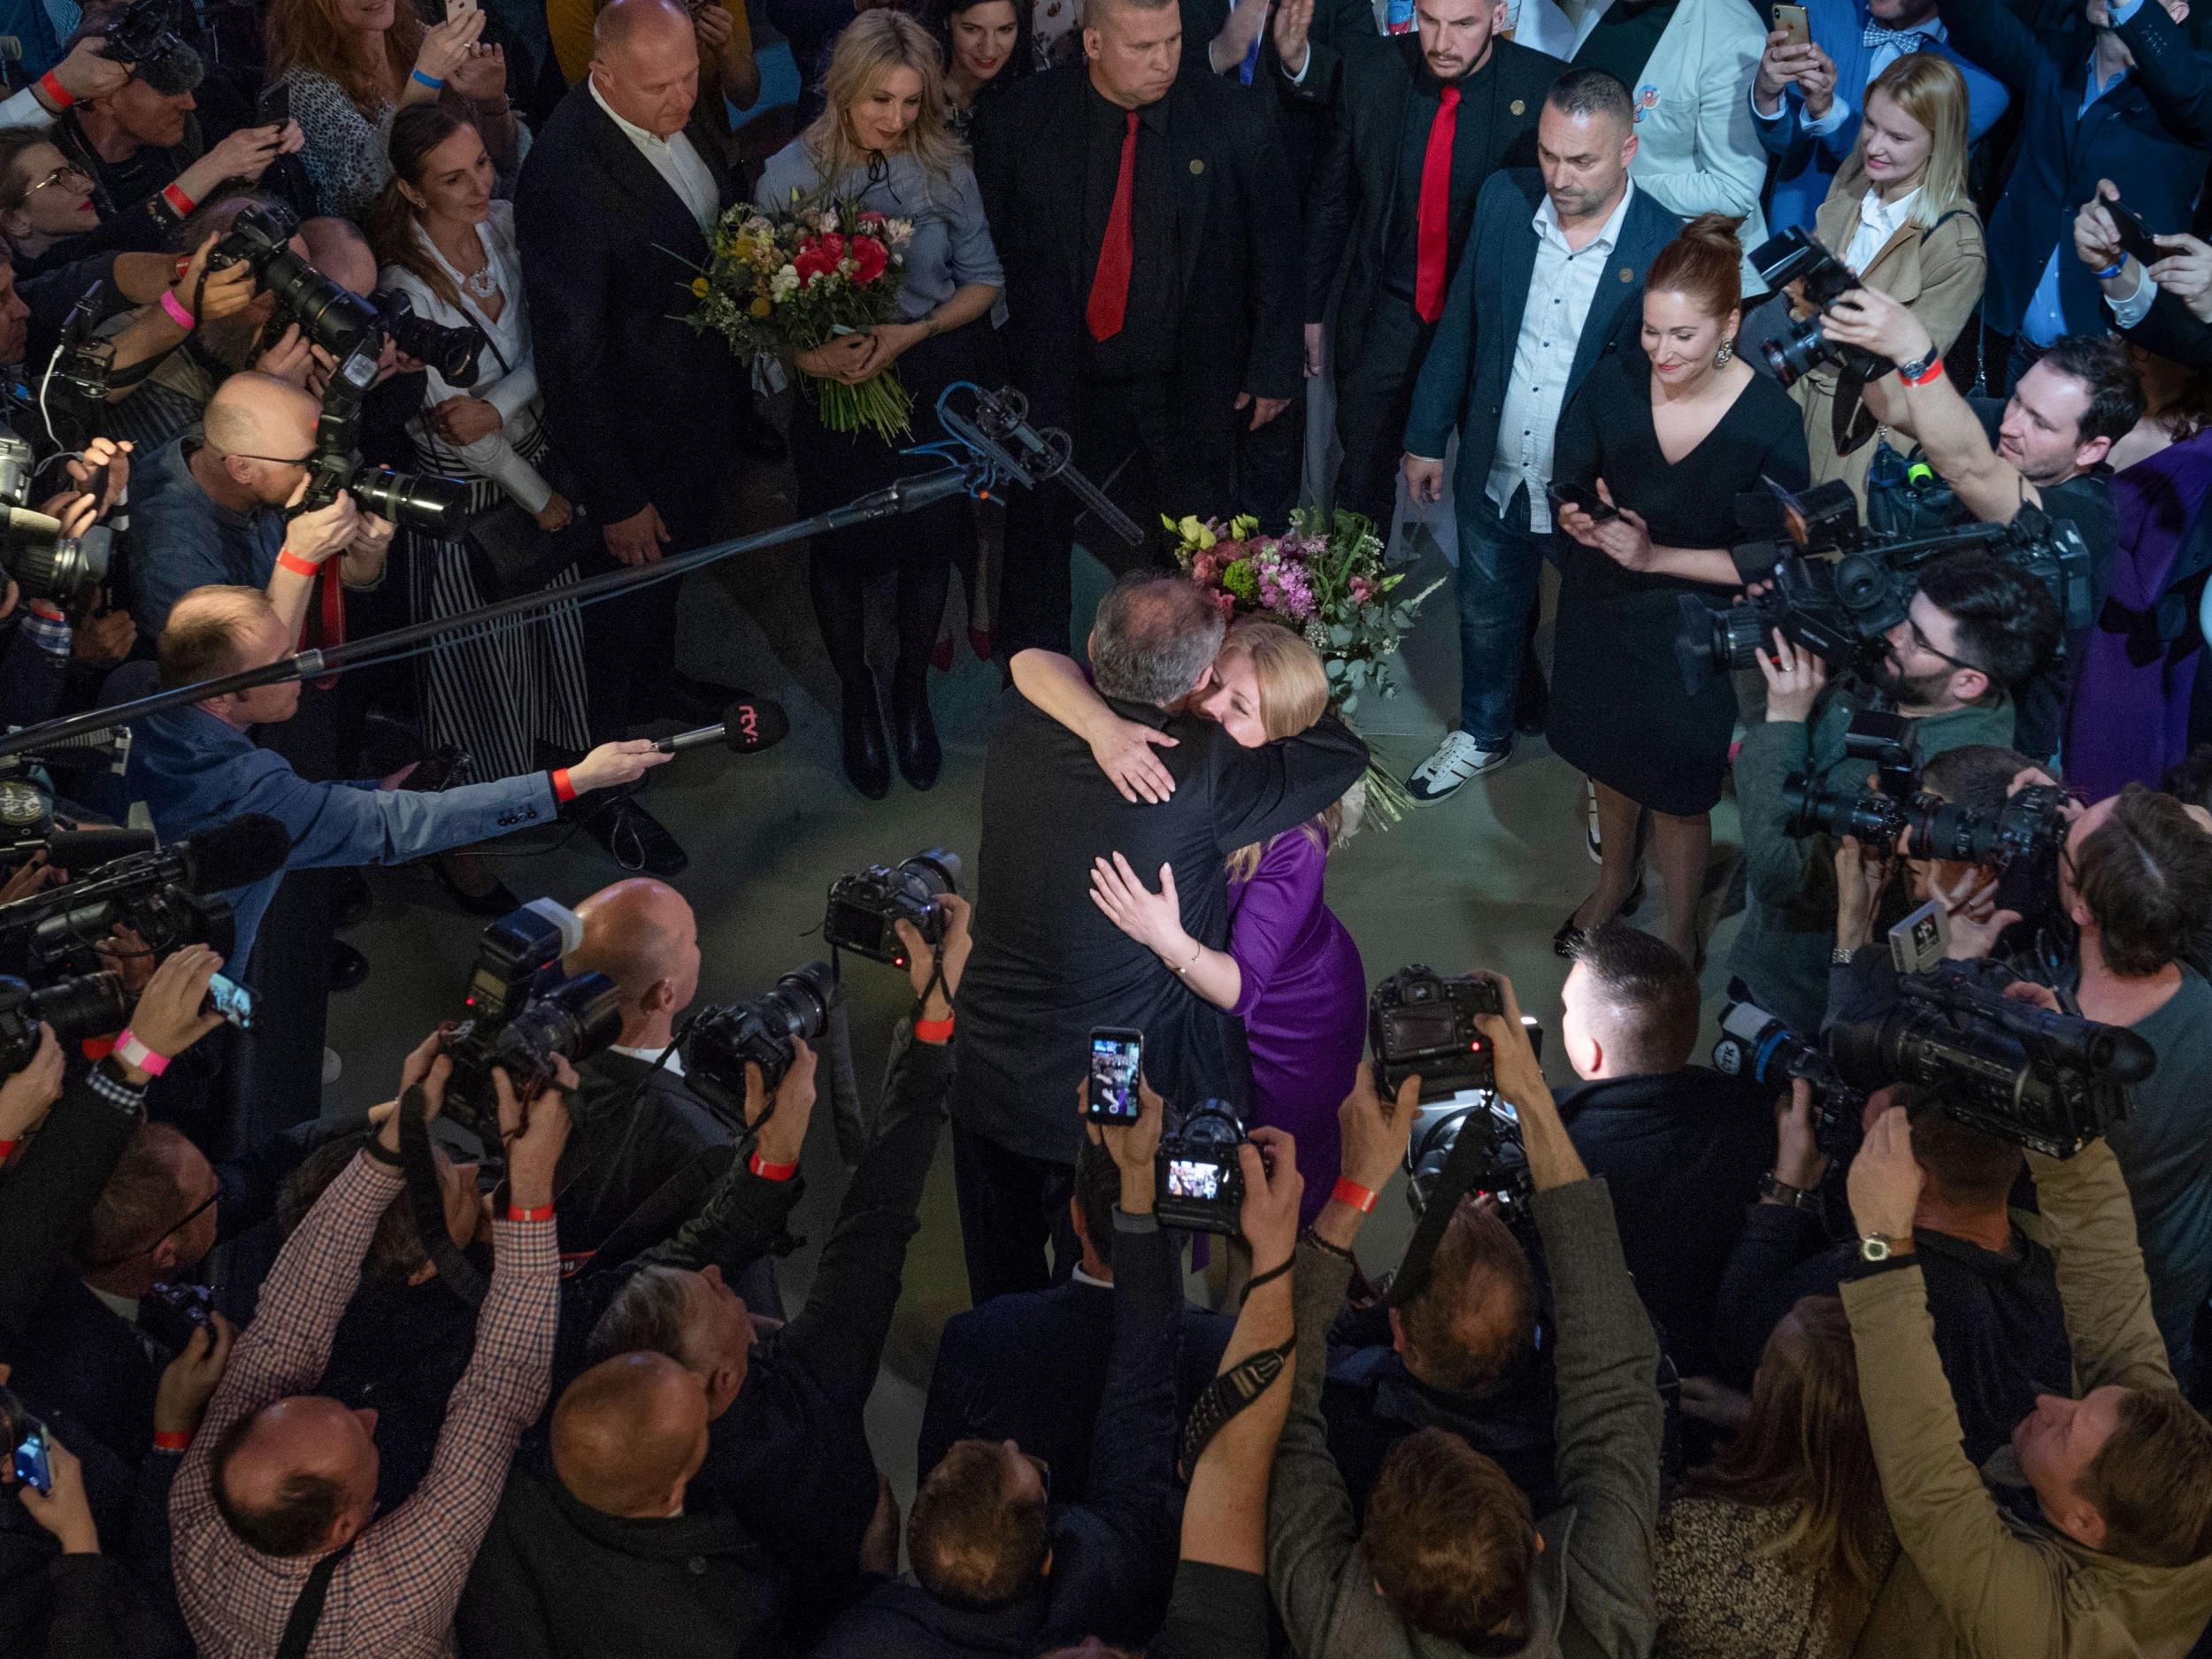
(2044, 448)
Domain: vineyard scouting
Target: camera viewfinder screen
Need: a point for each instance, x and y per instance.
(1421, 1029)
(1114, 1064)
(1192, 1178)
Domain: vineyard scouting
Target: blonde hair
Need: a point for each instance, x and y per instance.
(874, 44)
(1294, 694)
(1929, 90)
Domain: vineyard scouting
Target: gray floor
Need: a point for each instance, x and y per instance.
(1481, 880)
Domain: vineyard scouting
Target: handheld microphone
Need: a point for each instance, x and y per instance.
(745, 728)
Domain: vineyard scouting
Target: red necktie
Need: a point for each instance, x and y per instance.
(1110, 282)
(1436, 208)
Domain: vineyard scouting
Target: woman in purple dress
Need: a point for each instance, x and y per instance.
(1290, 973)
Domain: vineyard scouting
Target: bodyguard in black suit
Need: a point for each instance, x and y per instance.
(1368, 197)
(1048, 966)
(1152, 307)
(611, 216)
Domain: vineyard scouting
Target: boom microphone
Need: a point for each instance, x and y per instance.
(745, 728)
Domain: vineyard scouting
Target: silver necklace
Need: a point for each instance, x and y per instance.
(482, 284)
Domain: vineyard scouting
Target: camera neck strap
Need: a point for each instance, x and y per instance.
(307, 1610)
(1226, 1396)
(1464, 1165)
(425, 1202)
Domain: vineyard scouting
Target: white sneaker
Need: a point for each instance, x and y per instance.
(1457, 758)
(334, 1068)
(1592, 835)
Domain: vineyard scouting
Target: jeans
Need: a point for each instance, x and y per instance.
(1499, 560)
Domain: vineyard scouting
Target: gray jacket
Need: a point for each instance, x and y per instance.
(1592, 1597)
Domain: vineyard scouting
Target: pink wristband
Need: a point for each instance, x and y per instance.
(175, 312)
(132, 1052)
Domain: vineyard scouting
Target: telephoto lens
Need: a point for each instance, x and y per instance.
(414, 501)
(90, 1006)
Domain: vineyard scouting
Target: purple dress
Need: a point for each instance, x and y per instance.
(1304, 1002)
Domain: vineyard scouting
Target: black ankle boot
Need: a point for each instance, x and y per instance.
(920, 756)
(867, 747)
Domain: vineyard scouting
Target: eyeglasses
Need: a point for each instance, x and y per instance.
(1927, 645)
(274, 460)
(198, 1210)
(68, 172)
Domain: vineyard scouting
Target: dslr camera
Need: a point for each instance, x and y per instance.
(43, 563)
(525, 1009)
(145, 33)
(1797, 256)
(722, 1040)
(89, 1005)
(1418, 1021)
(452, 352)
(1495, 1162)
(865, 909)
(1198, 1184)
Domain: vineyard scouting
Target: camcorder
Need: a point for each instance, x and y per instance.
(1197, 1182)
(1842, 608)
(144, 34)
(525, 1009)
(722, 1040)
(352, 331)
(42, 562)
(865, 909)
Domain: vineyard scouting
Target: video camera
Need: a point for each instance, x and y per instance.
(722, 1040)
(145, 33)
(1198, 1183)
(2047, 1081)
(1756, 1046)
(1842, 610)
(42, 562)
(524, 1008)
(865, 909)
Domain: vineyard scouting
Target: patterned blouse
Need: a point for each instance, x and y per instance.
(1719, 1598)
(347, 154)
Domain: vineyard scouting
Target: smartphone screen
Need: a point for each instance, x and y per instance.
(232, 1000)
(1792, 21)
(32, 1467)
(1116, 1062)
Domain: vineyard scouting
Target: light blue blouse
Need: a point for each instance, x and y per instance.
(952, 241)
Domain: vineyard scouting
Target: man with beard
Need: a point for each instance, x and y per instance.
(2043, 447)
(1976, 629)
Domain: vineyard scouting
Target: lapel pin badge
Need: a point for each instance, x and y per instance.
(1517, 107)
(1628, 274)
(1196, 166)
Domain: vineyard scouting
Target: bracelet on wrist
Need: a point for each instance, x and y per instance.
(934, 1030)
(1319, 1243)
(288, 560)
(421, 79)
(179, 202)
(56, 96)
(2112, 270)
(1183, 969)
(175, 312)
(771, 1171)
(133, 1052)
(563, 787)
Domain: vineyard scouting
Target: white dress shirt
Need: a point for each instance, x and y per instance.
(1561, 287)
(1879, 222)
(673, 1065)
(675, 159)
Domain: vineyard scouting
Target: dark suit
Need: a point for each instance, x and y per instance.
(1032, 1368)
(641, 409)
(1228, 322)
(1464, 383)
(1365, 202)
(639, 1159)
(2172, 331)
(1048, 966)
(1371, 1401)
(2148, 134)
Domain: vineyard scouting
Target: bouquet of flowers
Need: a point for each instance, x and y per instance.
(1327, 579)
(779, 285)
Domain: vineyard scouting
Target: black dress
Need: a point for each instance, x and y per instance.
(1618, 708)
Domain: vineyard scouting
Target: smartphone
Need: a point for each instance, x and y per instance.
(456, 10)
(274, 107)
(1793, 22)
(2134, 238)
(33, 1467)
(232, 1000)
(1117, 1062)
(1589, 500)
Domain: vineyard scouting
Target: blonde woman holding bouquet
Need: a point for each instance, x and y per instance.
(881, 143)
(1292, 972)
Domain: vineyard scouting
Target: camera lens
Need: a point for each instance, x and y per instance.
(799, 1006)
(417, 501)
(1796, 353)
(931, 873)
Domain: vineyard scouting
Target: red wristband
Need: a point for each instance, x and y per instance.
(934, 1030)
(288, 560)
(180, 203)
(172, 1439)
(1351, 1192)
(564, 790)
(58, 95)
(7, 1150)
(771, 1171)
(536, 1212)
(48, 609)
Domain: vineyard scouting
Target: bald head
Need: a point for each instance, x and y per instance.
(629, 1434)
(338, 249)
(645, 62)
(298, 1476)
(257, 414)
(641, 934)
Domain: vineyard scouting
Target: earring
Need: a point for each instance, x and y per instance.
(1725, 355)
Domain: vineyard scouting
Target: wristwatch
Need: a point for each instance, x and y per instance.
(1875, 1247)
(1840, 956)
(1772, 1186)
(1920, 369)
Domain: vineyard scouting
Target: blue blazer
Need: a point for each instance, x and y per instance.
(1806, 165)
(1463, 380)
(192, 771)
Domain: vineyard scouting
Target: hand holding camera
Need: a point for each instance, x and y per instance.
(169, 1019)
(89, 72)
(1884, 1180)
(1861, 872)
(1871, 320)
(321, 532)
(780, 1138)
(534, 1135)
(1794, 680)
(29, 1095)
(1374, 1132)
(1798, 1160)
(430, 1066)
(1272, 1189)
(954, 942)
(1132, 1146)
(189, 1380)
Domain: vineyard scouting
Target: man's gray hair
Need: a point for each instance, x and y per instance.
(1153, 636)
(651, 1313)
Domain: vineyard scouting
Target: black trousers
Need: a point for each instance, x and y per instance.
(1374, 398)
(1011, 1206)
(630, 641)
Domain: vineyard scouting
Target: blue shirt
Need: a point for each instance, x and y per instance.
(952, 242)
(181, 538)
(2045, 319)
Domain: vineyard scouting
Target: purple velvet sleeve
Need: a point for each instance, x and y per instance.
(1272, 911)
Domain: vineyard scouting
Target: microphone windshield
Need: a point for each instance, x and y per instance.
(754, 724)
(235, 855)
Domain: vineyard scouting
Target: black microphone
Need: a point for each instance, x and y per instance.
(237, 854)
(745, 728)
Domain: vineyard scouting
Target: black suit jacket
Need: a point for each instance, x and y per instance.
(1361, 198)
(2175, 332)
(1236, 235)
(1303, 115)
(1048, 966)
(641, 408)
(643, 1152)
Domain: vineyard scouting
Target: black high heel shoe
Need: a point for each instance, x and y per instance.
(867, 746)
(914, 734)
(1569, 938)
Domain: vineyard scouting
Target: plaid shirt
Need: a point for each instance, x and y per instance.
(393, 1597)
